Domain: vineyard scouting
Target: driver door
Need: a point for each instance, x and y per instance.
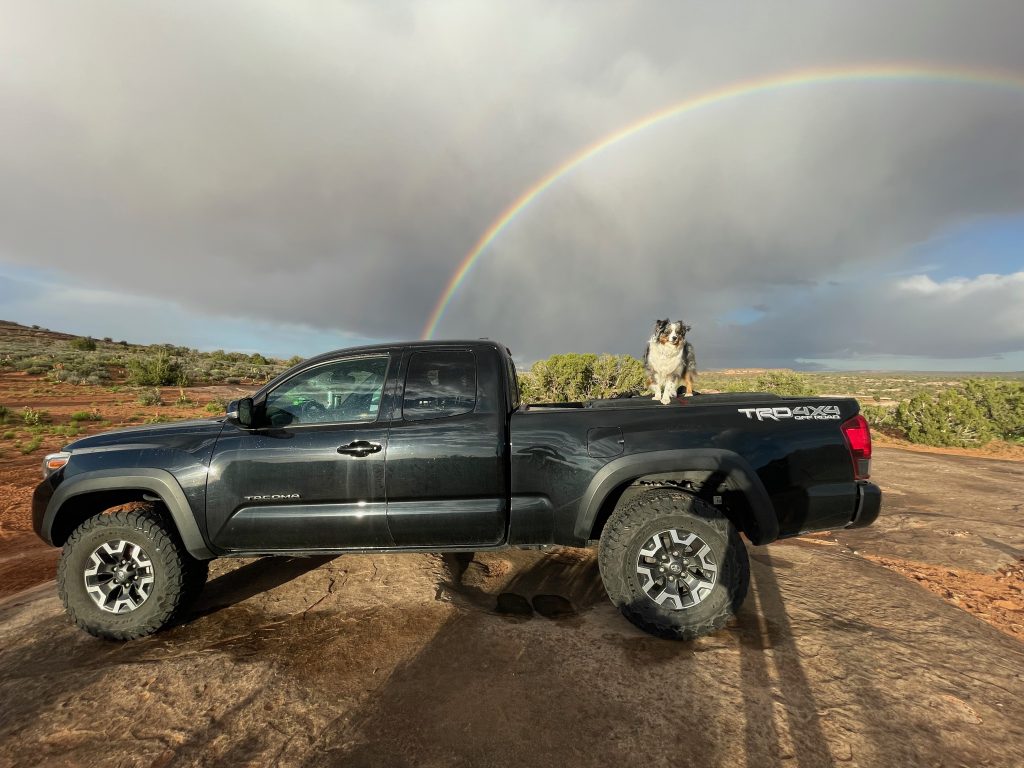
(310, 475)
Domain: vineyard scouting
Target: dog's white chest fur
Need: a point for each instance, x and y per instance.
(665, 360)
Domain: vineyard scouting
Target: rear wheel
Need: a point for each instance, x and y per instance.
(126, 574)
(673, 564)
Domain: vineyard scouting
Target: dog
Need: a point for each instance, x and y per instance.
(669, 360)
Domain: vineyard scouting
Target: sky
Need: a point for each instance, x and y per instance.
(295, 177)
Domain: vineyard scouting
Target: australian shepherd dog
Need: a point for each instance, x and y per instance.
(669, 360)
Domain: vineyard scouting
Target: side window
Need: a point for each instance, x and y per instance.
(439, 384)
(343, 391)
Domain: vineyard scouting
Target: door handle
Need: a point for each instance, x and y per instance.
(360, 448)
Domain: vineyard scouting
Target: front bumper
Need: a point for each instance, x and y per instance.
(869, 504)
(40, 500)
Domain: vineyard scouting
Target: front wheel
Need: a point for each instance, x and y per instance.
(673, 564)
(126, 574)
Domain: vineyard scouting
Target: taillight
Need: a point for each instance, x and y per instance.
(858, 437)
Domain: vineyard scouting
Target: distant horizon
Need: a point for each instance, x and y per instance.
(280, 355)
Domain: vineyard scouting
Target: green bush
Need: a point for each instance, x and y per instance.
(32, 445)
(785, 383)
(575, 377)
(1001, 402)
(86, 416)
(4, 413)
(949, 419)
(879, 416)
(151, 397)
(84, 344)
(157, 371)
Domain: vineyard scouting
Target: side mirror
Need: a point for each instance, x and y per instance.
(240, 412)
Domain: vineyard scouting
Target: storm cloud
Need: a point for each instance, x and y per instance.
(330, 165)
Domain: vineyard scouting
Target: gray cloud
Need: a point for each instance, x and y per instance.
(330, 165)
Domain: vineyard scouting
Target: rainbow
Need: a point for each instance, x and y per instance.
(793, 79)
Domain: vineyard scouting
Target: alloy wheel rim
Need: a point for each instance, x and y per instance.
(119, 576)
(677, 569)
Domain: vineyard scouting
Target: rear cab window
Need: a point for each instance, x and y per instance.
(440, 384)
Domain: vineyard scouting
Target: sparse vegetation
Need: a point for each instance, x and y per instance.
(911, 405)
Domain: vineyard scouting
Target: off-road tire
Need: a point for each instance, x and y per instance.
(645, 515)
(177, 576)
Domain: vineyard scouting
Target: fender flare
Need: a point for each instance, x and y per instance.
(156, 481)
(739, 476)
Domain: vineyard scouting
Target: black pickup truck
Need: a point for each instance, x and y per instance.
(425, 446)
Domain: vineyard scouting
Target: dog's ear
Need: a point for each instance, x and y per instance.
(686, 328)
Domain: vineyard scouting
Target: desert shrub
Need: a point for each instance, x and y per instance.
(258, 359)
(32, 445)
(36, 370)
(156, 371)
(786, 383)
(294, 360)
(150, 397)
(84, 344)
(31, 417)
(86, 416)
(1001, 402)
(949, 419)
(233, 380)
(573, 377)
(4, 413)
(879, 416)
(9, 434)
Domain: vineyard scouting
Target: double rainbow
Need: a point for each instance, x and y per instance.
(883, 73)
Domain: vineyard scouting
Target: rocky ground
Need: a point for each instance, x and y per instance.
(894, 645)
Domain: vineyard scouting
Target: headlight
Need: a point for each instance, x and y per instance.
(53, 462)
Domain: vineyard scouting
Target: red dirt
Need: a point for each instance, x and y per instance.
(19, 473)
(997, 598)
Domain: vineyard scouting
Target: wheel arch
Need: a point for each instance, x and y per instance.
(85, 495)
(705, 473)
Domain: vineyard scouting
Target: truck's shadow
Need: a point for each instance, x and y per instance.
(249, 580)
(479, 688)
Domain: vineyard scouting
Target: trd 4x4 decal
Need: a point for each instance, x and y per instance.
(799, 413)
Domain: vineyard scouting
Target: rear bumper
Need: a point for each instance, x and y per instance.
(869, 504)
